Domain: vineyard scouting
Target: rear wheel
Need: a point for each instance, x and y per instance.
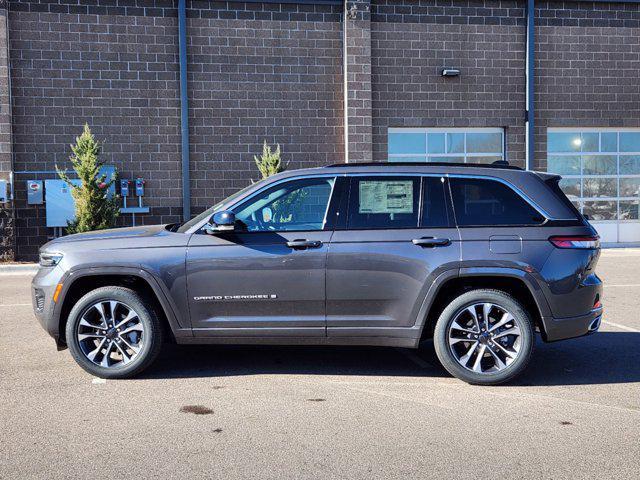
(484, 337)
(113, 333)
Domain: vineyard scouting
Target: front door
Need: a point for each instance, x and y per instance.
(398, 237)
(268, 276)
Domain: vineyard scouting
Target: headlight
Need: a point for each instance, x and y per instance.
(49, 259)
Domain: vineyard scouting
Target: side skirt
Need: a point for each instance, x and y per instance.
(292, 340)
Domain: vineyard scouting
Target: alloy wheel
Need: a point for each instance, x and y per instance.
(110, 334)
(484, 338)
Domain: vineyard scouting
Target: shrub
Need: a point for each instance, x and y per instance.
(95, 210)
(269, 163)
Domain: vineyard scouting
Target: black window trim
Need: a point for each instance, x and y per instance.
(547, 218)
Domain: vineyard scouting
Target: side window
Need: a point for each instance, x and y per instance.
(434, 203)
(295, 205)
(480, 202)
(383, 202)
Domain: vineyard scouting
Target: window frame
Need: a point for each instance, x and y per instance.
(581, 177)
(447, 131)
(351, 184)
(513, 188)
(329, 216)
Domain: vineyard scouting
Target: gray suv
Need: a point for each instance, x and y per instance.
(478, 258)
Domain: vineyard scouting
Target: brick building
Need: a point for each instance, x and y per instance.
(546, 85)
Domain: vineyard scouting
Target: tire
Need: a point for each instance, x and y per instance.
(91, 327)
(497, 343)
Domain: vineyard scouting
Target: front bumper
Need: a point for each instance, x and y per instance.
(43, 287)
(563, 328)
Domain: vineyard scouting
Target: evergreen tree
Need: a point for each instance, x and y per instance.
(94, 209)
(269, 163)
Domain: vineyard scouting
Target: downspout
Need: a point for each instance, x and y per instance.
(530, 45)
(345, 86)
(184, 108)
(12, 161)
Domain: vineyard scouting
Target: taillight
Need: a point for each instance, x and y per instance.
(575, 242)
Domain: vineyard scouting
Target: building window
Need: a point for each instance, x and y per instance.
(600, 170)
(468, 145)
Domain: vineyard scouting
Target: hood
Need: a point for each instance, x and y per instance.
(118, 238)
(112, 234)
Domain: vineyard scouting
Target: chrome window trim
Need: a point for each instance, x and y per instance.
(238, 201)
(508, 184)
(518, 191)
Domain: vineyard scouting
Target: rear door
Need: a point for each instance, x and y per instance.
(397, 236)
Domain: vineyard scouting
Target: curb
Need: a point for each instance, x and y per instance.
(18, 268)
(620, 252)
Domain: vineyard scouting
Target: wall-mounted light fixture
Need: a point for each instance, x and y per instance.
(449, 72)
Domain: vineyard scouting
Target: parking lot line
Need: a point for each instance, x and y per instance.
(622, 285)
(622, 327)
(15, 304)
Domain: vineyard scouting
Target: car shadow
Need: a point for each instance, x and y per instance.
(606, 357)
(187, 361)
(601, 358)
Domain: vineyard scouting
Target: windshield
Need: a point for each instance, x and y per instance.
(207, 213)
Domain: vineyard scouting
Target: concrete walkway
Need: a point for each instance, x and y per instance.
(18, 268)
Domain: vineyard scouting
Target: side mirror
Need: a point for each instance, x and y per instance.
(224, 221)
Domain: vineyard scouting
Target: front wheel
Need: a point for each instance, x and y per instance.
(112, 333)
(484, 337)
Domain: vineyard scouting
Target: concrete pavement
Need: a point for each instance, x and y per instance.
(315, 412)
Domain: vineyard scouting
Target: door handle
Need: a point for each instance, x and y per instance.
(304, 244)
(431, 242)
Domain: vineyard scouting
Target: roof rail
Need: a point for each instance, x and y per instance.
(499, 164)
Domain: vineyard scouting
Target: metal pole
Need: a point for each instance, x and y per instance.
(530, 71)
(345, 85)
(184, 108)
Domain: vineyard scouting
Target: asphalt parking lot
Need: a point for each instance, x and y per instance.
(316, 412)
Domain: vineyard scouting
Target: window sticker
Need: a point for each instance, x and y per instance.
(386, 196)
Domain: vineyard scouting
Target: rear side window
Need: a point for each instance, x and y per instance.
(384, 202)
(483, 202)
(554, 185)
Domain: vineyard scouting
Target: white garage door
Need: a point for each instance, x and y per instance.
(601, 176)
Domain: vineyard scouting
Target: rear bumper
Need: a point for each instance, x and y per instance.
(563, 328)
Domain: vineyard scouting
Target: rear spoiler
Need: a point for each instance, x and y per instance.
(546, 177)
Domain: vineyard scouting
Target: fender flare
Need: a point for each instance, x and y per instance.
(180, 327)
(527, 278)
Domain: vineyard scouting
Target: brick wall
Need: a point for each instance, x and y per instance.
(412, 40)
(269, 71)
(112, 64)
(587, 67)
(261, 72)
(7, 238)
(360, 115)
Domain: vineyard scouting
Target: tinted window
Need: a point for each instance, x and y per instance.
(295, 205)
(434, 203)
(488, 202)
(383, 202)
